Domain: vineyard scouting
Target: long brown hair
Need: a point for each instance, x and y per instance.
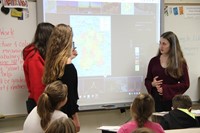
(59, 49)
(40, 39)
(142, 108)
(54, 94)
(176, 59)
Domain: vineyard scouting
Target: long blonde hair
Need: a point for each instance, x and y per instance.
(59, 49)
(49, 100)
(176, 59)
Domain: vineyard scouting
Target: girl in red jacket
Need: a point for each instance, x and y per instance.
(34, 56)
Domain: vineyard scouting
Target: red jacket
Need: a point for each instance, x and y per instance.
(33, 71)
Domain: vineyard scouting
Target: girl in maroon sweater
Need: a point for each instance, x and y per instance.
(167, 73)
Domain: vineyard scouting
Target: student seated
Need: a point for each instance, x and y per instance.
(61, 125)
(47, 109)
(141, 109)
(180, 116)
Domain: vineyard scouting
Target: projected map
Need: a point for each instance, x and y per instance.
(92, 37)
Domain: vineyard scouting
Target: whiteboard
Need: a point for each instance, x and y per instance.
(14, 36)
(185, 24)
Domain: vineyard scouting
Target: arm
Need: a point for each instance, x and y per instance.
(170, 90)
(164, 123)
(76, 121)
(149, 78)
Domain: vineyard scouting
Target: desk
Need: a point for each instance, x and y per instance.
(114, 129)
(156, 116)
(109, 129)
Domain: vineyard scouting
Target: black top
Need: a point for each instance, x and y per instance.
(177, 119)
(70, 78)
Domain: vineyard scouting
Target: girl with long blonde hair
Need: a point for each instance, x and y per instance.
(58, 66)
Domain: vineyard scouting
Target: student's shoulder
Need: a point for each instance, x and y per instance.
(127, 127)
(155, 126)
(154, 60)
(57, 114)
(132, 124)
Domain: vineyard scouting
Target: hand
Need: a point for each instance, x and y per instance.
(74, 54)
(156, 82)
(159, 89)
(76, 121)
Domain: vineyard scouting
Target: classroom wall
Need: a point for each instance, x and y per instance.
(89, 120)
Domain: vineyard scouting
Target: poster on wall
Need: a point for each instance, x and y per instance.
(15, 3)
(187, 11)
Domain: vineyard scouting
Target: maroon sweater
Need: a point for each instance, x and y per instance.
(171, 86)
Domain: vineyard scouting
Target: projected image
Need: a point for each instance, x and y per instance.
(127, 8)
(93, 89)
(115, 41)
(92, 37)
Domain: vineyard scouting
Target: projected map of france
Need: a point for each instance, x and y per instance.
(92, 36)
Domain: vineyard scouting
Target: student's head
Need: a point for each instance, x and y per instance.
(143, 130)
(59, 50)
(41, 37)
(61, 125)
(53, 97)
(181, 101)
(169, 45)
(142, 108)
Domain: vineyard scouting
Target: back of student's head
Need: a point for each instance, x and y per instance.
(59, 49)
(41, 37)
(181, 101)
(61, 125)
(142, 108)
(143, 130)
(54, 94)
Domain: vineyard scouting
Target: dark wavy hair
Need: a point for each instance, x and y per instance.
(41, 38)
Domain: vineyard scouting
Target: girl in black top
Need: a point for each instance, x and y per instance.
(58, 65)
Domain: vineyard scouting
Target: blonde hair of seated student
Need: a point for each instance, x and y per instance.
(61, 125)
(53, 98)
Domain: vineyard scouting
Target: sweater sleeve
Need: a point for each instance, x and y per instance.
(70, 78)
(170, 90)
(149, 78)
(164, 123)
